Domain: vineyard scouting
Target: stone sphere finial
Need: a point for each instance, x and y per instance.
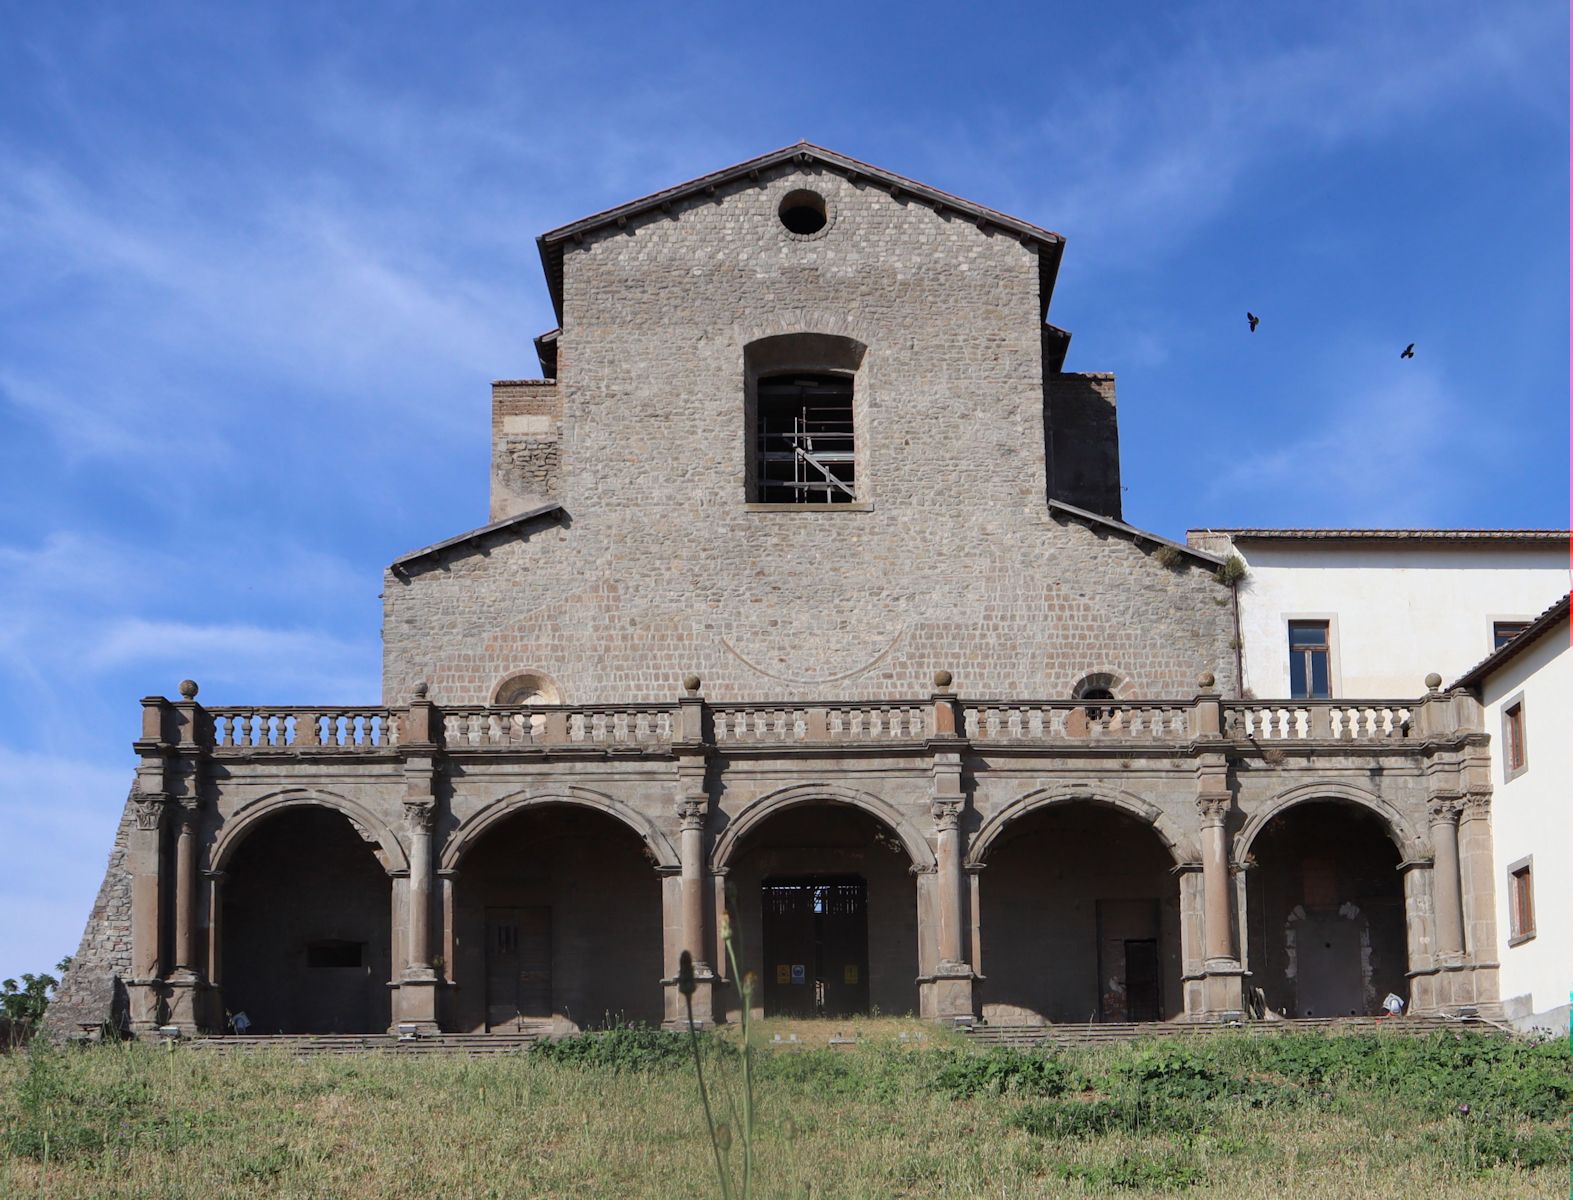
(691, 684)
(1206, 679)
(1434, 681)
(942, 679)
(420, 689)
(188, 688)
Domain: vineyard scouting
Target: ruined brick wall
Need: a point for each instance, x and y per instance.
(1083, 441)
(90, 993)
(951, 559)
(525, 458)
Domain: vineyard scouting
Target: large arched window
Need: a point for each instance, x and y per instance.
(802, 406)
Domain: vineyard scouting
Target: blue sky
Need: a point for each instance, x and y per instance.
(259, 264)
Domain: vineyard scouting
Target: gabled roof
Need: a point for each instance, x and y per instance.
(1380, 535)
(404, 562)
(1049, 244)
(1532, 633)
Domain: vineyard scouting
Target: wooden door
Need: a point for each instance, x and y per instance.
(518, 965)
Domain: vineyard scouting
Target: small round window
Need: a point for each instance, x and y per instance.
(803, 212)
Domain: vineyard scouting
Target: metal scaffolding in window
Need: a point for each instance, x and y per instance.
(804, 447)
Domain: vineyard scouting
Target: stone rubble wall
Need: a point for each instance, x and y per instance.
(950, 560)
(92, 992)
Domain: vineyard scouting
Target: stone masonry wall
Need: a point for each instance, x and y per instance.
(1084, 441)
(949, 560)
(90, 993)
(525, 457)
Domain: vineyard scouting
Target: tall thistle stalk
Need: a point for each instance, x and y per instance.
(721, 1134)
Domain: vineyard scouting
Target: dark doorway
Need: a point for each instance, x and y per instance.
(1143, 987)
(1325, 904)
(1129, 969)
(307, 943)
(518, 965)
(815, 946)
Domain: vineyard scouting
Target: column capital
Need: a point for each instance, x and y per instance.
(947, 812)
(1477, 804)
(692, 811)
(149, 807)
(1444, 807)
(420, 816)
(1214, 807)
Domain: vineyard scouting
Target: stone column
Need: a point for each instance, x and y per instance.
(1223, 987)
(1446, 900)
(694, 891)
(145, 864)
(187, 954)
(416, 1011)
(951, 983)
(1477, 878)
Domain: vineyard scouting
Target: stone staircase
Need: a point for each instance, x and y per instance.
(512, 1041)
(516, 1041)
(1097, 1033)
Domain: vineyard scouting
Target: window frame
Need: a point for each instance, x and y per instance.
(1521, 889)
(1329, 622)
(1515, 737)
(1520, 623)
(816, 353)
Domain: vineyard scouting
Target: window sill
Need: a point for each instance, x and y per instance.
(1520, 939)
(1509, 774)
(854, 506)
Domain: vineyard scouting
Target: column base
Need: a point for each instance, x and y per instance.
(187, 1004)
(416, 1009)
(704, 998)
(947, 994)
(145, 1005)
(1221, 994)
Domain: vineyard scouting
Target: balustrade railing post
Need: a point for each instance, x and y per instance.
(1207, 710)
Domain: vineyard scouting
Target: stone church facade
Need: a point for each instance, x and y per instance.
(806, 595)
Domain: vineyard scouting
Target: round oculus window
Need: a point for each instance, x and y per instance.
(803, 212)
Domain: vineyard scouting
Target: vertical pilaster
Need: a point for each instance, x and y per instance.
(1477, 879)
(1445, 893)
(416, 1010)
(1223, 983)
(950, 985)
(694, 889)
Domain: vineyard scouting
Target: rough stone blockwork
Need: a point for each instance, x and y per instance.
(92, 991)
(950, 558)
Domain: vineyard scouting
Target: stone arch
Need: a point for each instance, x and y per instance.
(389, 850)
(469, 832)
(919, 852)
(1173, 839)
(1410, 845)
(1112, 682)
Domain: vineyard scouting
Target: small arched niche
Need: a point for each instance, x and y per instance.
(527, 687)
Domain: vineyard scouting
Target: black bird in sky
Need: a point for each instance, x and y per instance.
(1254, 320)
(1408, 351)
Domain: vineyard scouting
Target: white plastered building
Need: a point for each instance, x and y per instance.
(1334, 613)
(1526, 688)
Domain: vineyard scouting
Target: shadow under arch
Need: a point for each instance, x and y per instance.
(1174, 841)
(918, 850)
(390, 851)
(471, 831)
(1406, 840)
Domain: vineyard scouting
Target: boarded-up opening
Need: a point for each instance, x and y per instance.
(556, 916)
(1080, 919)
(1325, 912)
(854, 868)
(815, 946)
(306, 929)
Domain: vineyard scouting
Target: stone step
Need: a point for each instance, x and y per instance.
(1120, 1031)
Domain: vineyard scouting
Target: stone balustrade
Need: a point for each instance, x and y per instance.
(655, 727)
(1306, 720)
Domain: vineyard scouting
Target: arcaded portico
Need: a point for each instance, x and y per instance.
(806, 594)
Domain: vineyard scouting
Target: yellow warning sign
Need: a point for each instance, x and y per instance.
(783, 973)
(849, 973)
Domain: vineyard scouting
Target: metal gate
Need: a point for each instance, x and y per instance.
(815, 939)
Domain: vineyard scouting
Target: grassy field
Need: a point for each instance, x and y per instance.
(618, 1116)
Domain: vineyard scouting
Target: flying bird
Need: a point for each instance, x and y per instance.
(1254, 320)
(1408, 351)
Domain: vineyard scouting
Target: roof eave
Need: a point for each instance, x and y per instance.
(1498, 658)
